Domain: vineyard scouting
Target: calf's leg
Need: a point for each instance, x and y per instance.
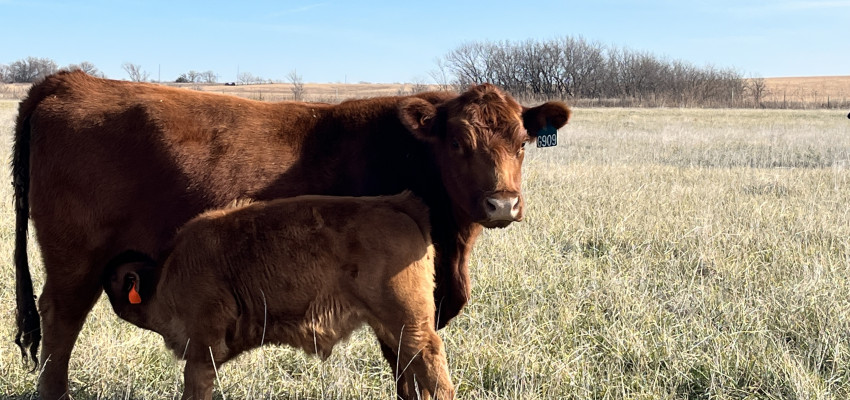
(421, 359)
(428, 364)
(405, 323)
(403, 391)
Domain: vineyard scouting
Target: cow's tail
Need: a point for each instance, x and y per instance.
(28, 336)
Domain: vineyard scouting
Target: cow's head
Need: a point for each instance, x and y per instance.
(479, 141)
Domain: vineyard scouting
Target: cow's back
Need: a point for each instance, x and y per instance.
(121, 165)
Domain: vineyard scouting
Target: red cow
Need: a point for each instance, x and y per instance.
(102, 166)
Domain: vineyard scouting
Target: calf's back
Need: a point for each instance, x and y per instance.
(302, 271)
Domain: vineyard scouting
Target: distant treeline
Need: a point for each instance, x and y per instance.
(32, 69)
(594, 74)
(584, 72)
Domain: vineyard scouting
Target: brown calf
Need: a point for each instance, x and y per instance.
(303, 271)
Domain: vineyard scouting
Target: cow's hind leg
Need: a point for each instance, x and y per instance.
(64, 304)
(198, 378)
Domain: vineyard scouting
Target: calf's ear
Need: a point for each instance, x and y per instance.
(418, 115)
(553, 113)
(129, 272)
(132, 287)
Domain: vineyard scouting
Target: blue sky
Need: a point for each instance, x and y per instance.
(398, 41)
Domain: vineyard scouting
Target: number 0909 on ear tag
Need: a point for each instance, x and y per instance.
(547, 137)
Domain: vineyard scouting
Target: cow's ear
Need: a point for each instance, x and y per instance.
(554, 113)
(418, 115)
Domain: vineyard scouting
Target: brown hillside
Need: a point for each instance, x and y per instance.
(809, 89)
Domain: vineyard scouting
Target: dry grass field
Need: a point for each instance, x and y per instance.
(666, 254)
(793, 92)
(13, 91)
(323, 92)
(809, 90)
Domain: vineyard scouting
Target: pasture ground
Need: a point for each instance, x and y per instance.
(666, 254)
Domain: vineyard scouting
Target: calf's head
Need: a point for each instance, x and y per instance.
(479, 141)
(129, 279)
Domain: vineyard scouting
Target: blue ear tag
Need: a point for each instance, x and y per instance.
(547, 137)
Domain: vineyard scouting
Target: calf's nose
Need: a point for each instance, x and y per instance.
(502, 208)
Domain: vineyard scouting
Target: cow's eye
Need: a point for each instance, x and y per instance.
(455, 144)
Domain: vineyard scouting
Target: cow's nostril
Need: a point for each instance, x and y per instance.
(491, 205)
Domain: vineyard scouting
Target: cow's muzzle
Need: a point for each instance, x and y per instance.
(501, 209)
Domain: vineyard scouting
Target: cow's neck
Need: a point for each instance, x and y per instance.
(415, 169)
(357, 148)
(454, 242)
(394, 160)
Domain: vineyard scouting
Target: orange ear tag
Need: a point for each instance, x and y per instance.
(134, 295)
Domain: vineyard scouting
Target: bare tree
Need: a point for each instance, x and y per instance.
(468, 63)
(29, 69)
(88, 68)
(193, 76)
(574, 67)
(297, 85)
(197, 77)
(757, 89)
(247, 78)
(135, 72)
(208, 77)
(5, 74)
(441, 75)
